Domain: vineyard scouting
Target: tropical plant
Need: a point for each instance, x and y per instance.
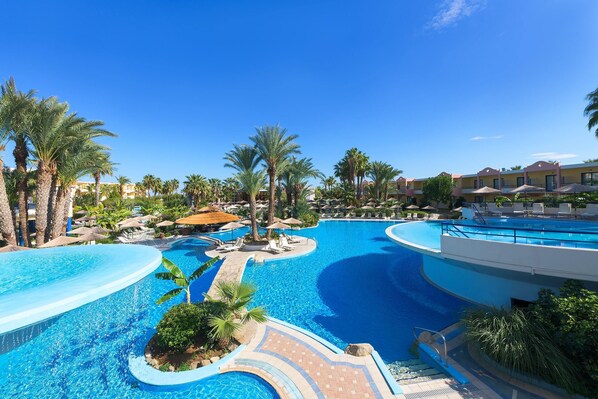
(102, 166)
(439, 188)
(274, 147)
(295, 178)
(176, 275)
(236, 297)
(19, 107)
(122, 182)
(591, 111)
(196, 186)
(517, 342)
(251, 183)
(382, 175)
(179, 327)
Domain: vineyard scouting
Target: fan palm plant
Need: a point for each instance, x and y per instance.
(179, 278)
(274, 147)
(236, 297)
(591, 111)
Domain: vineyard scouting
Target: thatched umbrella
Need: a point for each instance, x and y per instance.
(80, 230)
(428, 208)
(292, 221)
(92, 237)
(575, 188)
(209, 208)
(60, 241)
(246, 222)
(165, 223)
(13, 248)
(232, 226)
(526, 188)
(208, 218)
(128, 224)
(278, 225)
(412, 207)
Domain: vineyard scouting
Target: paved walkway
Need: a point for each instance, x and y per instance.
(298, 366)
(234, 262)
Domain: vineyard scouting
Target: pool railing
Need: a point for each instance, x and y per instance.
(522, 235)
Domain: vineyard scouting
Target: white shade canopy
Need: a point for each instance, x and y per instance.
(486, 190)
(278, 225)
(232, 226)
(576, 188)
(526, 189)
(292, 221)
(165, 223)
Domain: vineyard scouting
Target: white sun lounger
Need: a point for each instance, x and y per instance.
(565, 210)
(538, 209)
(518, 208)
(237, 245)
(591, 211)
(272, 247)
(285, 244)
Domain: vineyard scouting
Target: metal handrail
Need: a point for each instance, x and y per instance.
(517, 233)
(442, 359)
(477, 213)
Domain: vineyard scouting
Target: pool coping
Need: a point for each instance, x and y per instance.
(410, 245)
(48, 310)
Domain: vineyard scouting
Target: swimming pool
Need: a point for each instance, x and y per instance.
(84, 353)
(549, 232)
(357, 286)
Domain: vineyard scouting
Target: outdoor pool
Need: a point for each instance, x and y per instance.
(358, 286)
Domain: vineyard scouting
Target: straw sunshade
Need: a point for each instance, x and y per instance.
(60, 241)
(486, 190)
(278, 225)
(276, 219)
(412, 207)
(86, 230)
(208, 218)
(165, 223)
(366, 207)
(246, 222)
(92, 237)
(130, 224)
(526, 189)
(13, 248)
(429, 208)
(292, 221)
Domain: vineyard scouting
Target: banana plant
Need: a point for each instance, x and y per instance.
(179, 278)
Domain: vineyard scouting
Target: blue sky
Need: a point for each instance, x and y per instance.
(427, 86)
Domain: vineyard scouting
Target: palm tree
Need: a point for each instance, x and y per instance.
(244, 159)
(175, 274)
(591, 111)
(216, 187)
(122, 182)
(274, 147)
(252, 182)
(170, 186)
(7, 227)
(328, 182)
(296, 178)
(236, 297)
(102, 166)
(196, 186)
(230, 188)
(149, 183)
(20, 106)
(382, 174)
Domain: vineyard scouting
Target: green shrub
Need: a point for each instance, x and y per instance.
(514, 340)
(207, 310)
(309, 219)
(179, 327)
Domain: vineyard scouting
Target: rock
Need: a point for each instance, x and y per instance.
(193, 365)
(171, 368)
(214, 359)
(359, 349)
(205, 362)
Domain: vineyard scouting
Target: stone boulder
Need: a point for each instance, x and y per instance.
(205, 362)
(359, 350)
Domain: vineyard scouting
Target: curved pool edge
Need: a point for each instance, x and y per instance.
(408, 244)
(29, 316)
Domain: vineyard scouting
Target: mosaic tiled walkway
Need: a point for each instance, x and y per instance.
(298, 366)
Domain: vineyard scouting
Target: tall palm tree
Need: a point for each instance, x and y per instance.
(170, 186)
(149, 183)
(244, 159)
(296, 178)
(7, 227)
(231, 188)
(102, 166)
(328, 182)
(21, 106)
(252, 182)
(216, 188)
(196, 186)
(382, 174)
(122, 182)
(274, 147)
(591, 111)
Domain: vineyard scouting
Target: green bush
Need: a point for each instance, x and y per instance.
(180, 327)
(517, 342)
(207, 310)
(309, 219)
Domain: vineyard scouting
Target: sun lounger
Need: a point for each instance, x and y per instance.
(272, 247)
(493, 209)
(518, 208)
(591, 211)
(538, 209)
(284, 244)
(227, 248)
(565, 210)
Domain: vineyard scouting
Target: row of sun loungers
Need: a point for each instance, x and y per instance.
(538, 209)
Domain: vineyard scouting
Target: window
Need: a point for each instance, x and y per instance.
(520, 181)
(475, 183)
(589, 178)
(478, 199)
(495, 184)
(550, 182)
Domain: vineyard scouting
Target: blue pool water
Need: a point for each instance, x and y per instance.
(549, 232)
(358, 286)
(84, 353)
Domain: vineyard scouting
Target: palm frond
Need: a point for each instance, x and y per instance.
(169, 295)
(202, 269)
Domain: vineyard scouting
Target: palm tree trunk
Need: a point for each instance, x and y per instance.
(253, 217)
(7, 226)
(271, 199)
(52, 198)
(97, 177)
(58, 215)
(44, 183)
(20, 153)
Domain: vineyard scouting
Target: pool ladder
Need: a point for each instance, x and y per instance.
(442, 358)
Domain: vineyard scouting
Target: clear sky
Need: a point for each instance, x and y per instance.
(427, 86)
